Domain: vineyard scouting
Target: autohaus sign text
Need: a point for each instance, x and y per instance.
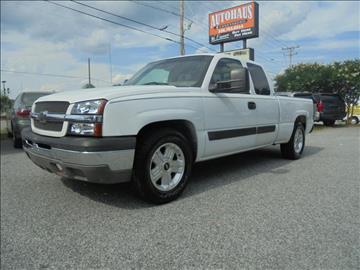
(236, 23)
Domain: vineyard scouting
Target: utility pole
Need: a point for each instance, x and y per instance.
(110, 64)
(182, 31)
(89, 71)
(290, 51)
(3, 82)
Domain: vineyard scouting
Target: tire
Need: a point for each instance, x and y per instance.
(354, 120)
(17, 142)
(171, 171)
(329, 123)
(294, 148)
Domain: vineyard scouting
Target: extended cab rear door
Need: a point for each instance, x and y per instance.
(267, 106)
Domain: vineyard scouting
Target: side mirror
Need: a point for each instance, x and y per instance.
(265, 92)
(238, 83)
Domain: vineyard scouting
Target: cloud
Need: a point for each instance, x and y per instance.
(40, 37)
(330, 44)
(119, 78)
(203, 50)
(327, 20)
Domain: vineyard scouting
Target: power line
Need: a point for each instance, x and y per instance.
(141, 23)
(160, 9)
(290, 51)
(169, 12)
(110, 21)
(168, 5)
(49, 75)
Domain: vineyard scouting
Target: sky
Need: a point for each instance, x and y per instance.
(38, 37)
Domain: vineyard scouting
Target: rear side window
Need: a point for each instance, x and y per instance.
(305, 96)
(29, 98)
(331, 98)
(259, 79)
(17, 101)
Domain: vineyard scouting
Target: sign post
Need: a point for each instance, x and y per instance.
(222, 47)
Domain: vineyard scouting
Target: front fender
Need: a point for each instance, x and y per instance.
(128, 117)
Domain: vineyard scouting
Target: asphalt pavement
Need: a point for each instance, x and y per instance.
(248, 211)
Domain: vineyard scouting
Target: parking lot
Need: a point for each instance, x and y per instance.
(253, 211)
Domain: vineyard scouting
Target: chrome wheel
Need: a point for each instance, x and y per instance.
(298, 140)
(167, 166)
(354, 120)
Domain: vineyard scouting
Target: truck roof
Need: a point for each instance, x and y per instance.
(224, 54)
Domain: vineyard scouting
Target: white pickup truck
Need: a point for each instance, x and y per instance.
(170, 114)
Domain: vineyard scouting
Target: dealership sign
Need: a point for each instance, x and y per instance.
(236, 23)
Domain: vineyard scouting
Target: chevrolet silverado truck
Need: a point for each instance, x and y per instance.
(169, 115)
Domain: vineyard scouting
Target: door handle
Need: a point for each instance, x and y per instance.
(251, 105)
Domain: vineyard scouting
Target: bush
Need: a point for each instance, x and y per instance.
(339, 77)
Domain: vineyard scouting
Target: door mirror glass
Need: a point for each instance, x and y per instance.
(238, 82)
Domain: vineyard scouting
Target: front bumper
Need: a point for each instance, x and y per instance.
(98, 160)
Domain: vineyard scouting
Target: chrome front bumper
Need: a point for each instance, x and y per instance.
(110, 166)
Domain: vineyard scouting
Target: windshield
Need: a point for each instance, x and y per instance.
(29, 98)
(180, 72)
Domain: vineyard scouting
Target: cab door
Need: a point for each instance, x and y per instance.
(230, 116)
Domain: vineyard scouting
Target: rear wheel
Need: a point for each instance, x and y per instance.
(163, 164)
(17, 143)
(354, 120)
(294, 148)
(329, 123)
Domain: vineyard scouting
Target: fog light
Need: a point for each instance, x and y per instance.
(82, 129)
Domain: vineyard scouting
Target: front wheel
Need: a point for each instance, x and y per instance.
(163, 164)
(294, 148)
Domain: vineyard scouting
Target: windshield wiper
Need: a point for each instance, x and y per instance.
(155, 83)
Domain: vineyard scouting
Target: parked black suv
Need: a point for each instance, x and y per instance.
(328, 107)
(331, 107)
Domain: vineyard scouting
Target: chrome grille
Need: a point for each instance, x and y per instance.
(50, 107)
(51, 126)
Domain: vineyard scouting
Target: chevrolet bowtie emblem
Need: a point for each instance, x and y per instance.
(42, 117)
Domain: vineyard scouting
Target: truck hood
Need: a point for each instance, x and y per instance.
(115, 92)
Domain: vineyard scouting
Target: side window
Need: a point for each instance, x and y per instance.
(17, 101)
(223, 70)
(258, 77)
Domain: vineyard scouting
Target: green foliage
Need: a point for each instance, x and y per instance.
(5, 103)
(339, 77)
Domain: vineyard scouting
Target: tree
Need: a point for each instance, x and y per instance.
(346, 82)
(342, 78)
(5, 103)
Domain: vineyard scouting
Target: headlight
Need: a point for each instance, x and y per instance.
(86, 118)
(89, 107)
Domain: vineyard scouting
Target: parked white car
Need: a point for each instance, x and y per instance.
(170, 114)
